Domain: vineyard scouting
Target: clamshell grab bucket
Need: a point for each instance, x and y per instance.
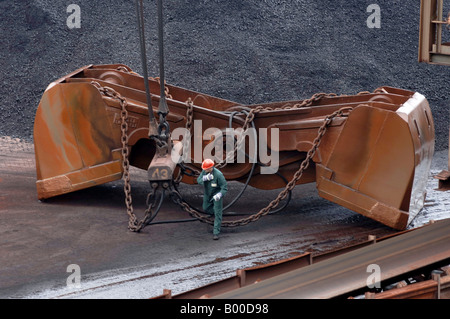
(374, 160)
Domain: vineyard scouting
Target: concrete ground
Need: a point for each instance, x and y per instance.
(88, 228)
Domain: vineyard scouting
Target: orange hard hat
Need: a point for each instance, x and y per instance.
(207, 163)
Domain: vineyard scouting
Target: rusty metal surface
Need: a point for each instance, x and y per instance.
(438, 288)
(371, 161)
(369, 176)
(348, 272)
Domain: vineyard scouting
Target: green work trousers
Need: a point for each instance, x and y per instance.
(210, 206)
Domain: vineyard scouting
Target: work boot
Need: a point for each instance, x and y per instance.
(216, 237)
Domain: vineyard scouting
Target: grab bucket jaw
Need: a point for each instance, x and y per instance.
(380, 163)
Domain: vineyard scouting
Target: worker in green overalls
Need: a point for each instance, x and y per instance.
(215, 186)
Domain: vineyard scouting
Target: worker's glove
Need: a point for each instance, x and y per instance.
(208, 177)
(217, 197)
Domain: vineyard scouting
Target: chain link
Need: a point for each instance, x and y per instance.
(187, 140)
(282, 195)
(133, 223)
(136, 226)
(166, 88)
(251, 117)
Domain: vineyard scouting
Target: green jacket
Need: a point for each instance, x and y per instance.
(216, 185)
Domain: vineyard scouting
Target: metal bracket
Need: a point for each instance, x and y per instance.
(164, 163)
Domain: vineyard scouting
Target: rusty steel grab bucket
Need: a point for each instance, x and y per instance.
(374, 160)
(380, 163)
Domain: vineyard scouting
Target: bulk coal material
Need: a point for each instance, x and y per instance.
(249, 51)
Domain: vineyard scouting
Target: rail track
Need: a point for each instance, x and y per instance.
(412, 264)
(348, 272)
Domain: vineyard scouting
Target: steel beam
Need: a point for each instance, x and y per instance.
(349, 272)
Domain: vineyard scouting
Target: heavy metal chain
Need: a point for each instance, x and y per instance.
(187, 141)
(282, 195)
(188, 126)
(251, 116)
(133, 223)
(136, 226)
(230, 156)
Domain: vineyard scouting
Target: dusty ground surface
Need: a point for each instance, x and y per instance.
(89, 228)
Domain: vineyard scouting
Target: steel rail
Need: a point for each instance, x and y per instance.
(248, 276)
(436, 288)
(349, 272)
